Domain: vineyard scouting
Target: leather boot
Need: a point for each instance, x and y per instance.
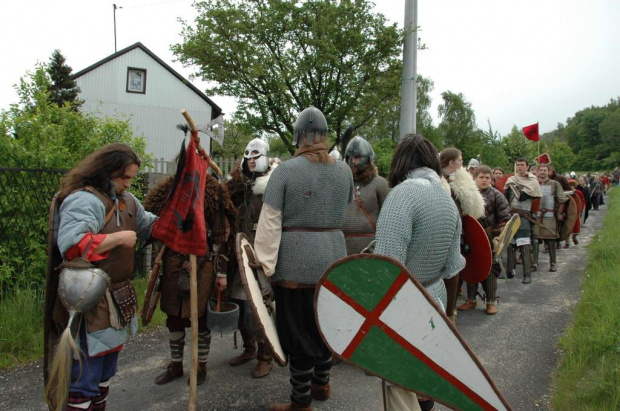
(491, 309)
(174, 370)
(291, 406)
(553, 268)
(320, 392)
(201, 376)
(265, 360)
(527, 278)
(249, 349)
(467, 305)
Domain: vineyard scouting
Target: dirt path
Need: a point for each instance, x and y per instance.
(517, 346)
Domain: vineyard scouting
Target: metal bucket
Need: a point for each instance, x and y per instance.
(224, 321)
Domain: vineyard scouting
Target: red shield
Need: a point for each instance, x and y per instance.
(480, 256)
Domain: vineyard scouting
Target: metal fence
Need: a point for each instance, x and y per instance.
(25, 196)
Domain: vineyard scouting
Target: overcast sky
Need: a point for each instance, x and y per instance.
(517, 62)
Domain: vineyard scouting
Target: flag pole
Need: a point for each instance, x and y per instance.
(193, 302)
(538, 142)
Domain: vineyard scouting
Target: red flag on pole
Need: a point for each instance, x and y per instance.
(181, 225)
(531, 132)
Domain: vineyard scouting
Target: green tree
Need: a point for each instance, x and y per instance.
(562, 155)
(238, 134)
(457, 121)
(278, 57)
(515, 145)
(63, 88)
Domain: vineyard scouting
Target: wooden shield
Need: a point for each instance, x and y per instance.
(508, 233)
(374, 314)
(480, 257)
(152, 292)
(569, 220)
(501, 183)
(264, 319)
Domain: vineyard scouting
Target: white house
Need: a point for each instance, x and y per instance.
(135, 83)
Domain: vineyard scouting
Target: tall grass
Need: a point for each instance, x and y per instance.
(588, 377)
(21, 324)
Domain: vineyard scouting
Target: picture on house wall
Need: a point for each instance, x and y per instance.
(136, 80)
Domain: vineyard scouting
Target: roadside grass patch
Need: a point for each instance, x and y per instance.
(21, 324)
(588, 377)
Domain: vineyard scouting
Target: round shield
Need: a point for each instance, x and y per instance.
(569, 221)
(479, 259)
(507, 234)
(264, 316)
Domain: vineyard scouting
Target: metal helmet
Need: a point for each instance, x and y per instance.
(259, 150)
(80, 288)
(312, 124)
(335, 154)
(358, 147)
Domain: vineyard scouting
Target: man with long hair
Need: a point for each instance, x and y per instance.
(419, 225)
(97, 218)
(299, 236)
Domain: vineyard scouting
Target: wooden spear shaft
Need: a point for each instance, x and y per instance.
(193, 298)
(203, 153)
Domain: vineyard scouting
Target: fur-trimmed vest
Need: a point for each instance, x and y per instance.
(465, 193)
(220, 219)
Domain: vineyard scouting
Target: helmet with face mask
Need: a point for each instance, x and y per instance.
(335, 154)
(259, 150)
(311, 124)
(358, 147)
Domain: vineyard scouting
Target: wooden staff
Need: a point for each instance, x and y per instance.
(201, 151)
(193, 286)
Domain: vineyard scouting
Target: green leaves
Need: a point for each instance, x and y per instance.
(278, 57)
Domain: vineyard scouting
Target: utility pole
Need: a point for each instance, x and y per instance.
(409, 89)
(114, 7)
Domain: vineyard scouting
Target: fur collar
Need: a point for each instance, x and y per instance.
(465, 191)
(260, 184)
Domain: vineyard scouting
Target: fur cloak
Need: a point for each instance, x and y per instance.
(466, 194)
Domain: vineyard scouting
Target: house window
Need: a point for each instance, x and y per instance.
(136, 80)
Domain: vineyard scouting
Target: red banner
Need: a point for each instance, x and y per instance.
(531, 132)
(181, 225)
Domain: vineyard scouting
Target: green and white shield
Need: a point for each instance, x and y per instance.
(374, 314)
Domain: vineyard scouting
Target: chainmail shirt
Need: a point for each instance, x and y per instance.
(357, 228)
(419, 226)
(309, 195)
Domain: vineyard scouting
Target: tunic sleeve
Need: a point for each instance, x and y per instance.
(80, 213)
(268, 237)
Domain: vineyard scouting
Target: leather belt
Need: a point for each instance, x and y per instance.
(291, 285)
(430, 282)
(348, 235)
(310, 229)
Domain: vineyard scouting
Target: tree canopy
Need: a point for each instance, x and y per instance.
(278, 57)
(62, 88)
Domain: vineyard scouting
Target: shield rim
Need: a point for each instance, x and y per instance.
(468, 273)
(429, 299)
(512, 225)
(569, 223)
(279, 357)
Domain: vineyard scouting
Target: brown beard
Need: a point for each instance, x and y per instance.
(368, 173)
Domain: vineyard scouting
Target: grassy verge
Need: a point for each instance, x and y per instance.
(588, 377)
(21, 325)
